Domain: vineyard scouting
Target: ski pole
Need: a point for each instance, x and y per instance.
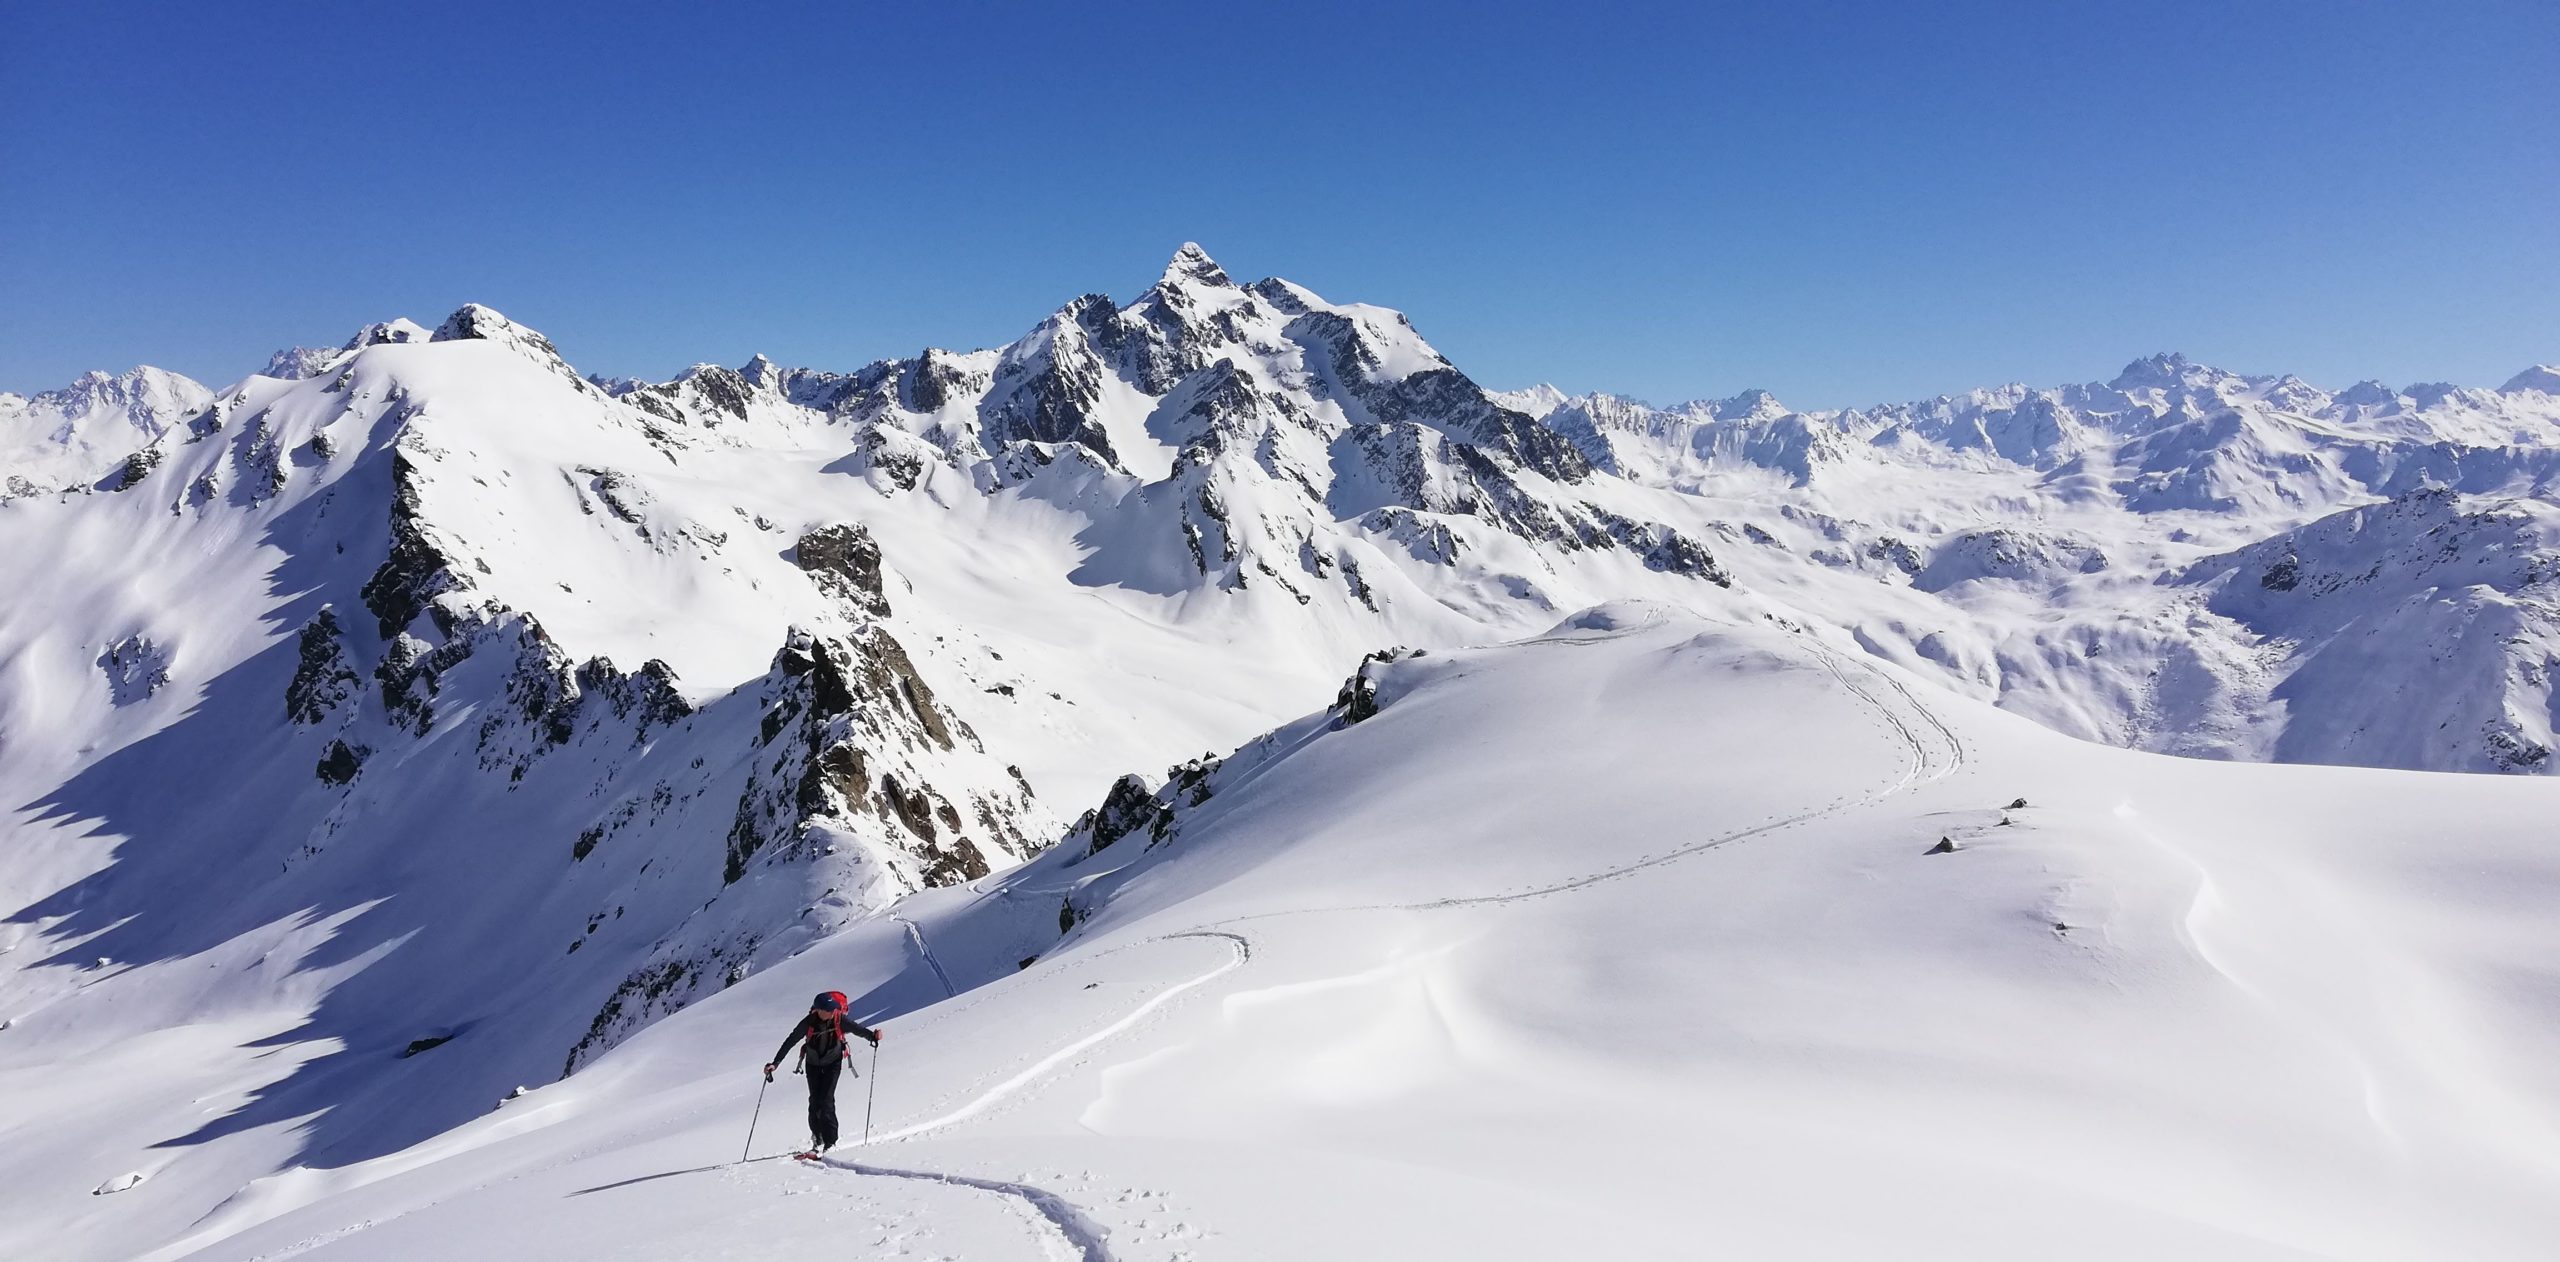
(873, 1093)
(751, 1120)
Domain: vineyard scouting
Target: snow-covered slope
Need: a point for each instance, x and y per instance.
(2421, 630)
(1770, 963)
(353, 770)
(77, 434)
(419, 718)
(424, 700)
(2057, 534)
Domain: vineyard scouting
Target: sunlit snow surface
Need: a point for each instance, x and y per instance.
(1702, 993)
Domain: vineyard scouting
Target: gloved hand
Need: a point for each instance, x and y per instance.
(875, 1037)
(768, 1073)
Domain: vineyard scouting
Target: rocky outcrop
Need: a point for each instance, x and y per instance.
(136, 668)
(417, 569)
(845, 562)
(2008, 554)
(848, 742)
(1358, 699)
(476, 323)
(324, 679)
(1134, 807)
(340, 762)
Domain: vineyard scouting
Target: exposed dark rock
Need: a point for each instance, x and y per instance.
(1661, 547)
(2511, 750)
(417, 570)
(845, 561)
(1128, 807)
(911, 807)
(407, 675)
(646, 698)
(1896, 553)
(1946, 845)
(1358, 698)
(340, 762)
(957, 861)
(136, 669)
(325, 679)
(840, 715)
(933, 379)
(135, 468)
(1052, 397)
(659, 988)
(722, 391)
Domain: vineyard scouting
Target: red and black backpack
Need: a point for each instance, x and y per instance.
(834, 1002)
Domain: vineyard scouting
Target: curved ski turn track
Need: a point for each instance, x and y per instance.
(1073, 1236)
(1935, 753)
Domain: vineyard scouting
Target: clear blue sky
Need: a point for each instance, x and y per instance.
(1839, 202)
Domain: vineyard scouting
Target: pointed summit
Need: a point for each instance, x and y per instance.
(476, 323)
(1750, 405)
(473, 322)
(1193, 264)
(2542, 377)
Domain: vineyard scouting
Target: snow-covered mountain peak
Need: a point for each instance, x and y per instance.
(2539, 379)
(1750, 405)
(473, 322)
(297, 362)
(1191, 264)
(72, 435)
(136, 394)
(2164, 371)
(1535, 401)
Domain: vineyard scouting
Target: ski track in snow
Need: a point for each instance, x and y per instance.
(1934, 756)
(1935, 753)
(1083, 1236)
(915, 938)
(992, 1096)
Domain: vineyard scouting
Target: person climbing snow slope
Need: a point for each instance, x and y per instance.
(824, 1049)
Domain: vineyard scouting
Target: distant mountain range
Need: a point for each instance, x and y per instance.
(591, 696)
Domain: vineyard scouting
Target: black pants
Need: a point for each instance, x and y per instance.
(822, 1073)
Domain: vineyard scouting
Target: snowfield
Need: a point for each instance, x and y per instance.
(1704, 991)
(435, 780)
